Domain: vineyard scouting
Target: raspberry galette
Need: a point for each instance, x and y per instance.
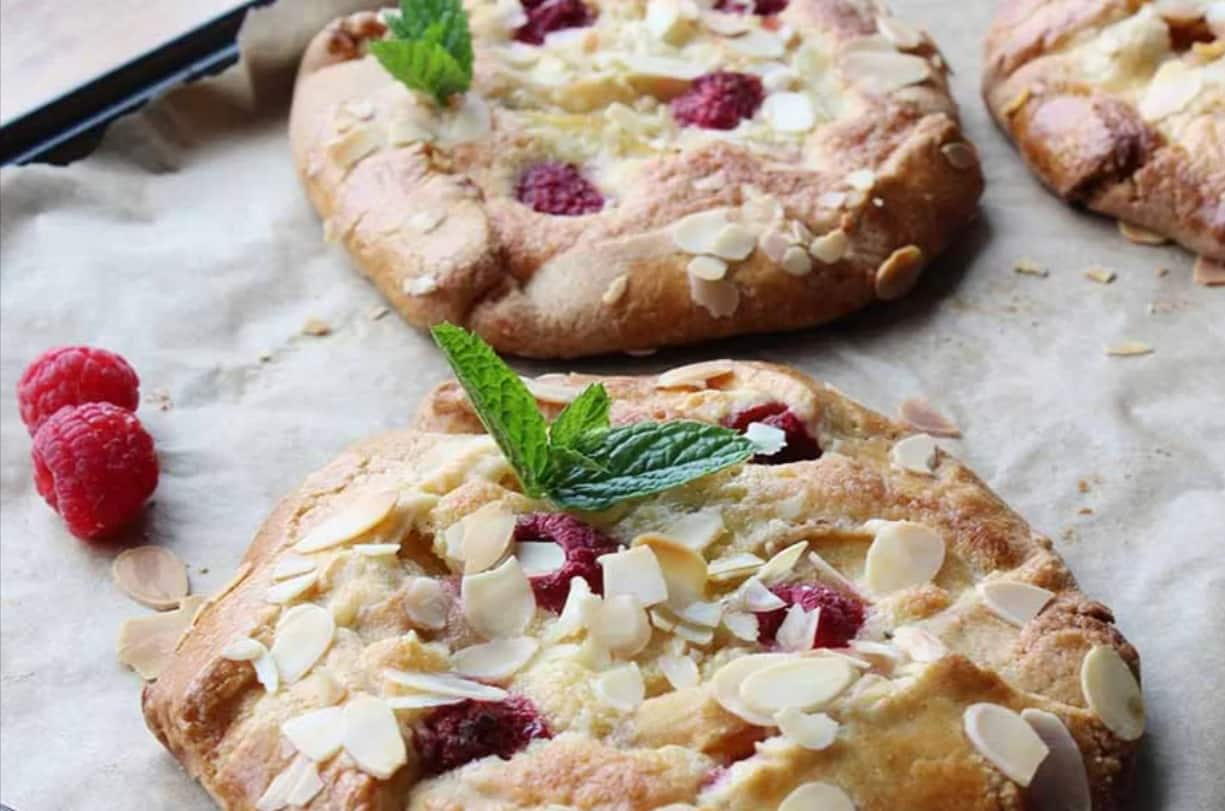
(855, 622)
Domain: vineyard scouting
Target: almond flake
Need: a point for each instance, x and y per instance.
(753, 596)
(539, 557)
(1014, 602)
(1061, 781)
(709, 268)
(815, 732)
(882, 655)
(296, 785)
(899, 273)
(1129, 349)
(697, 233)
(901, 33)
(830, 574)
(358, 517)
(1029, 267)
(734, 242)
(291, 565)
(919, 414)
(798, 631)
(1208, 272)
(733, 567)
(805, 683)
(1140, 236)
(693, 634)
(960, 155)
(882, 72)
(420, 285)
(742, 625)
(486, 537)
(359, 142)
(1112, 692)
(579, 602)
(1171, 89)
(664, 19)
(861, 179)
(615, 290)
(371, 736)
(495, 661)
(703, 614)
(759, 43)
(680, 671)
(621, 687)
(665, 67)
(316, 734)
(695, 375)
(684, 570)
(152, 576)
(915, 454)
(729, 678)
(1005, 740)
(774, 244)
(146, 643)
(377, 550)
(817, 796)
(789, 112)
(444, 684)
(498, 603)
(1100, 275)
(783, 563)
(830, 247)
(287, 591)
(635, 571)
(697, 530)
(303, 634)
(903, 555)
(244, 649)
(766, 439)
(832, 199)
(719, 298)
(421, 701)
(426, 221)
(426, 603)
(618, 623)
(796, 261)
(550, 392)
(726, 24)
(919, 644)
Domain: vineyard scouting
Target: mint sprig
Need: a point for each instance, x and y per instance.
(581, 462)
(430, 47)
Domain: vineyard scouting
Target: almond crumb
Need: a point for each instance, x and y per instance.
(1085, 511)
(1129, 349)
(316, 327)
(1101, 275)
(1030, 268)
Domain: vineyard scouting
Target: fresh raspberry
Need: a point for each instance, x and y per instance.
(95, 465)
(840, 620)
(558, 188)
(717, 101)
(800, 444)
(72, 375)
(451, 736)
(582, 544)
(762, 8)
(544, 16)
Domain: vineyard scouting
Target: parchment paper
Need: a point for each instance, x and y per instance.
(186, 244)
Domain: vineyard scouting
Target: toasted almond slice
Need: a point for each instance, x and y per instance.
(719, 298)
(1129, 349)
(798, 631)
(830, 247)
(782, 564)
(817, 796)
(291, 565)
(372, 737)
(1112, 692)
(495, 661)
(899, 272)
(357, 518)
(680, 671)
(919, 644)
(499, 602)
(805, 683)
(1208, 272)
(709, 268)
(697, 233)
(296, 785)
(288, 590)
(445, 684)
(733, 567)
(578, 603)
(487, 535)
(1139, 235)
(816, 732)
(618, 623)
(151, 575)
(742, 625)
(1061, 781)
(635, 571)
(695, 375)
(903, 554)
(1005, 740)
(697, 530)
(316, 734)
(539, 557)
(421, 701)
(303, 635)
(684, 570)
(729, 678)
(146, 643)
(915, 453)
(621, 687)
(1014, 602)
(752, 595)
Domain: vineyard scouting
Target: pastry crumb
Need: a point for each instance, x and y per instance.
(1101, 275)
(1029, 267)
(1085, 511)
(1140, 236)
(377, 312)
(919, 414)
(1209, 272)
(316, 327)
(1129, 349)
(1162, 272)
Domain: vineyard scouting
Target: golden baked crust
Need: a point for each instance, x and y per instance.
(901, 723)
(424, 201)
(1118, 105)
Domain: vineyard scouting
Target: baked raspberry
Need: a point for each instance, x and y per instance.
(841, 616)
(451, 736)
(544, 16)
(800, 445)
(582, 544)
(95, 465)
(718, 101)
(558, 188)
(762, 8)
(72, 375)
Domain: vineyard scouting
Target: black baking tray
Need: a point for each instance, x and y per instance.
(69, 127)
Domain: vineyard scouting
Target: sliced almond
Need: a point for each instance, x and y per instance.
(539, 557)
(244, 649)
(817, 796)
(830, 247)
(861, 179)
(444, 684)
(1014, 602)
(697, 233)
(1112, 692)
(766, 439)
(615, 290)
(729, 678)
(1171, 89)
(831, 575)
(922, 416)
(902, 555)
(1125, 349)
(550, 392)
(915, 453)
(796, 261)
(734, 242)
(882, 72)
(377, 550)
(733, 567)
(303, 635)
(789, 112)
(146, 643)
(576, 608)
(1005, 740)
(151, 575)
(1140, 236)
(287, 591)
(798, 631)
(720, 298)
(635, 571)
(639, 64)
(899, 272)
(498, 603)
(726, 24)
(684, 570)
(360, 516)
(899, 32)
(487, 535)
(664, 20)
(919, 644)
(426, 221)
(680, 671)
(426, 603)
(695, 375)
(296, 785)
(420, 285)
(783, 563)
(759, 43)
(372, 736)
(359, 142)
(316, 734)
(697, 530)
(1061, 781)
(621, 687)
(618, 623)
(805, 683)
(710, 268)
(816, 732)
(495, 661)
(742, 625)
(291, 565)
(752, 595)
(421, 701)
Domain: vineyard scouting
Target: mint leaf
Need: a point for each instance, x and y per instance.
(588, 412)
(505, 407)
(641, 459)
(430, 48)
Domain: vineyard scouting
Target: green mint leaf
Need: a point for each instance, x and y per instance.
(430, 48)
(588, 412)
(503, 403)
(641, 459)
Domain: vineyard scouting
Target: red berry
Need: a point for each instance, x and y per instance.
(762, 8)
(460, 733)
(718, 101)
(95, 465)
(73, 375)
(582, 544)
(800, 444)
(544, 16)
(558, 188)
(840, 620)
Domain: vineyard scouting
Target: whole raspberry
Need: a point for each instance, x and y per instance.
(73, 375)
(451, 736)
(800, 444)
(544, 16)
(718, 101)
(582, 544)
(95, 465)
(840, 620)
(558, 188)
(762, 8)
